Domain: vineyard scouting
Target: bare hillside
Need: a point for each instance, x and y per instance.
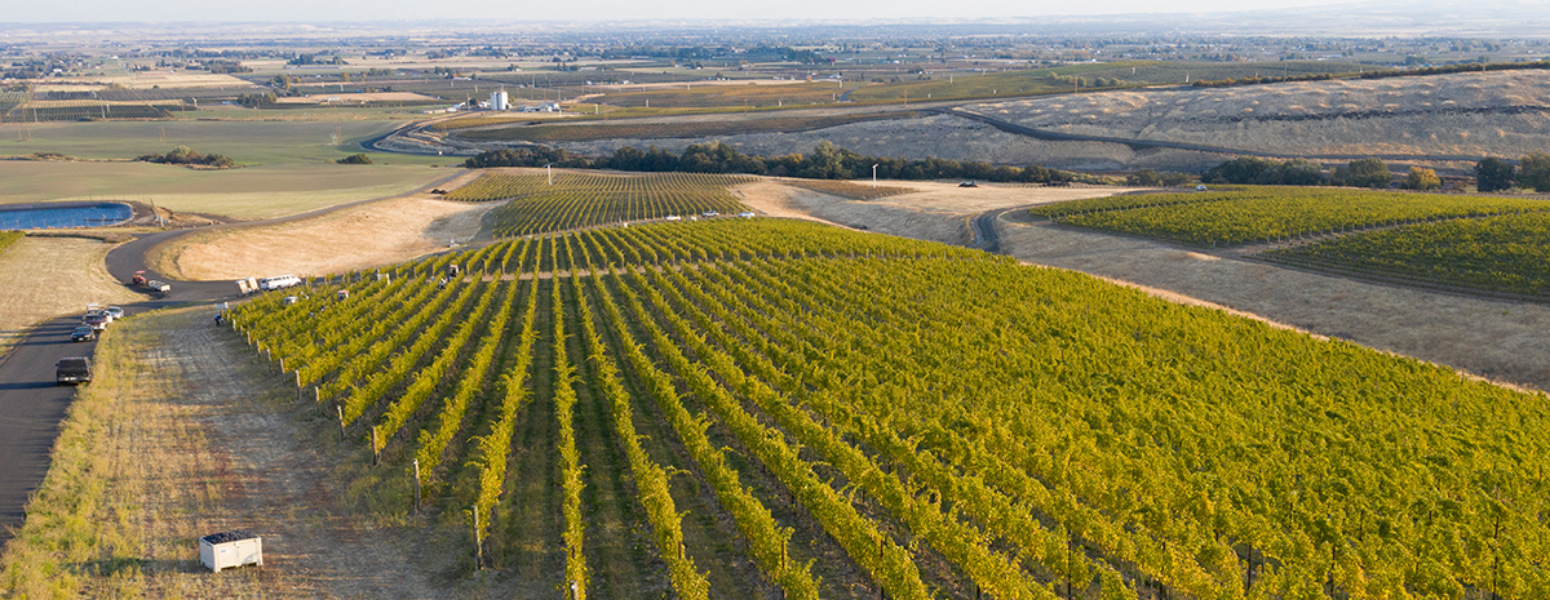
(1505, 113)
(1447, 120)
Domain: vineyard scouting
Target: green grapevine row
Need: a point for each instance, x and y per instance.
(1502, 254)
(1269, 214)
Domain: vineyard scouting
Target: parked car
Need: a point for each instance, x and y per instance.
(278, 282)
(157, 285)
(672, 218)
(83, 333)
(101, 313)
(968, 184)
(710, 213)
(115, 312)
(72, 370)
(96, 322)
(746, 215)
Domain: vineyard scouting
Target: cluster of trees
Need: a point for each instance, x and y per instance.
(1365, 172)
(355, 159)
(1494, 174)
(257, 100)
(183, 155)
(826, 161)
(1267, 171)
(314, 59)
(1151, 178)
(1257, 80)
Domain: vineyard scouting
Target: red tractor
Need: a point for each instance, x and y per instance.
(138, 280)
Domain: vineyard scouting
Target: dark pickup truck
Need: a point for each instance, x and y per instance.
(73, 370)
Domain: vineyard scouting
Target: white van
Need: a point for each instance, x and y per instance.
(280, 282)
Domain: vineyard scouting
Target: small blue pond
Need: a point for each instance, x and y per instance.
(63, 214)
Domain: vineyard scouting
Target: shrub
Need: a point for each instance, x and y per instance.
(355, 159)
(1422, 179)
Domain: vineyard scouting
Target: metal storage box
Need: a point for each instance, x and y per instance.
(231, 549)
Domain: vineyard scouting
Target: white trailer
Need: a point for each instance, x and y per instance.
(231, 549)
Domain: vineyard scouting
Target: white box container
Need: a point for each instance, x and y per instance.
(231, 549)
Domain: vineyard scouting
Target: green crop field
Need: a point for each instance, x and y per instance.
(1226, 218)
(1500, 254)
(86, 113)
(247, 142)
(10, 237)
(585, 199)
(850, 415)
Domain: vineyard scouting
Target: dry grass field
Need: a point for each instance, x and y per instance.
(1505, 113)
(49, 277)
(182, 435)
(932, 211)
(360, 237)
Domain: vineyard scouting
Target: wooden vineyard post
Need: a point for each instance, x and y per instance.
(416, 486)
(299, 388)
(340, 408)
(478, 542)
(282, 365)
(376, 452)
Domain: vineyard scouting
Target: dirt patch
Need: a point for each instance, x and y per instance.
(48, 277)
(1495, 339)
(934, 211)
(356, 238)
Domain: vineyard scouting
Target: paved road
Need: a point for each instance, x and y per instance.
(32, 406)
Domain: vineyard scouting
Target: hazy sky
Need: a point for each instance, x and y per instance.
(58, 11)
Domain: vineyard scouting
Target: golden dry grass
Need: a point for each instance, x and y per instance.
(370, 235)
(49, 277)
(932, 211)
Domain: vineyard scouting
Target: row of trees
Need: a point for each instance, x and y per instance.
(1494, 174)
(1366, 172)
(826, 161)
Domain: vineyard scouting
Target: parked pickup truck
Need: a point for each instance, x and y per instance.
(157, 285)
(73, 370)
(97, 322)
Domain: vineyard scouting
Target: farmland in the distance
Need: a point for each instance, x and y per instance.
(682, 129)
(790, 409)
